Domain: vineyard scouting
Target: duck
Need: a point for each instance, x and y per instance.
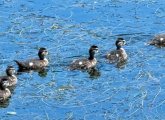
(119, 55)
(158, 40)
(86, 63)
(34, 64)
(10, 76)
(4, 91)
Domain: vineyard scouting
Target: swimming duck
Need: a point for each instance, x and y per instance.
(85, 63)
(34, 64)
(119, 55)
(4, 91)
(158, 40)
(10, 76)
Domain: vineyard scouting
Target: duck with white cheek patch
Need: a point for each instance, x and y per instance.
(86, 63)
(10, 76)
(158, 40)
(34, 64)
(4, 91)
(119, 55)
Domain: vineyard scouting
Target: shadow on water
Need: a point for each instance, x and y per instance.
(41, 72)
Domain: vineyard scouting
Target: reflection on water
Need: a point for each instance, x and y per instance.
(41, 72)
(121, 65)
(4, 104)
(94, 73)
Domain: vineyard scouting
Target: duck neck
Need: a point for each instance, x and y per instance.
(2, 88)
(118, 47)
(91, 55)
(42, 57)
(9, 74)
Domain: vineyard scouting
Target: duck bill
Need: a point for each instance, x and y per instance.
(96, 50)
(124, 42)
(46, 52)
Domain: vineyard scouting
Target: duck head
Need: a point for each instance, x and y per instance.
(93, 49)
(120, 42)
(10, 71)
(42, 53)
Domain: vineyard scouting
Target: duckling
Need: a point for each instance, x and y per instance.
(85, 64)
(119, 55)
(34, 64)
(158, 40)
(11, 77)
(4, 91)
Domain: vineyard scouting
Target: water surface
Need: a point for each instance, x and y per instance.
(68, 29)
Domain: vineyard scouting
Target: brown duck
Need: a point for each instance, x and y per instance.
(10, 76)
(4, 91)
(158, 40)
(85, 63)
(34, 64)
(118, 55)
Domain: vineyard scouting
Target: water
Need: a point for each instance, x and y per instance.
(68, 29)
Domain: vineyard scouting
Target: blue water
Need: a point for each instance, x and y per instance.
(136, 91)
